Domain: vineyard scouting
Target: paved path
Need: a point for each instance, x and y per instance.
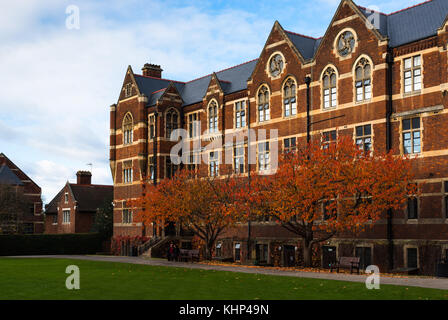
(435, 283)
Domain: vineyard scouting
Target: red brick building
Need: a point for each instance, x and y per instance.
(73, 209)
(31, 220)
(380, 78)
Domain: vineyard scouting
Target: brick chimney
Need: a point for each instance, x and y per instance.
(152, 70)
(84, 177)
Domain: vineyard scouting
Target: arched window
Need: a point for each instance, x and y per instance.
(363, 83)
(172, 122)
(289, 98)
(128, 129)
(213, 117)
(263, 104)
(329, 88)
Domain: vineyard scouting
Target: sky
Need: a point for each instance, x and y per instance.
(57, 83)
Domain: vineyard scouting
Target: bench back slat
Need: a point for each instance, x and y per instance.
(348, 261)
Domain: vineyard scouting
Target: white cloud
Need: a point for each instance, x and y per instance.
(57, 84)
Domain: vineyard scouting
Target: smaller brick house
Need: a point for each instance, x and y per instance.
(31, 219)
(73, 209)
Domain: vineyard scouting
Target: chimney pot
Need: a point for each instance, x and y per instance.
(84, 177)
(152, 70)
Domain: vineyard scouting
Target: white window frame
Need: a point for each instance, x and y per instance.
(66, 216)
(412, 131)
(290, 101)
(240, 114)
(128, 175)
(212, 116)
(263, 156)
(239, 159)
(364, 139)
(263, 107)
(412, 74)
(213, 163)
(127, 216)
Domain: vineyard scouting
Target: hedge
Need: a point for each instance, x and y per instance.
(50, 244)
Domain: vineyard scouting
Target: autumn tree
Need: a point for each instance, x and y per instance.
(321, 190)
(204, 205)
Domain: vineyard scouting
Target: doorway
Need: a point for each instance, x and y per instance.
(262, 253)
(328, 256)
(289, 256)
(365, 255)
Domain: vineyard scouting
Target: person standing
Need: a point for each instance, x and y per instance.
(170, 252)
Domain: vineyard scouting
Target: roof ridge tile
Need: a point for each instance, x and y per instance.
(302, 35)
(222, 70)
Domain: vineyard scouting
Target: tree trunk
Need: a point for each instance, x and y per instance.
(307, 253)
(207, 250)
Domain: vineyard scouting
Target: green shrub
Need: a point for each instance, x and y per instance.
(50, 244)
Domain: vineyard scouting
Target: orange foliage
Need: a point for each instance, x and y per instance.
(204, 205)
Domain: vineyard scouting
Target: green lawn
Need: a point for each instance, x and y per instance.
(45, 279)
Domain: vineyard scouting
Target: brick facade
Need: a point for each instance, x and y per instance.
(32, 221)
(388, 105)
(73, 209)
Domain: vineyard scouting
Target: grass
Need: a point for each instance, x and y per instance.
(45, 279)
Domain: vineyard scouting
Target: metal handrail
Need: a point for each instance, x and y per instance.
(148, 244)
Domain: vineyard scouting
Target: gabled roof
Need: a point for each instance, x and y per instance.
(401, 27)
(91, 197)
(233, 79)
(52, 207)
(8, 177)
(307, 46)
(414, 23)
(88, 197)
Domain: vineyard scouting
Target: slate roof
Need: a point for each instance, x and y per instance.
(89, 197)
(307, 46)
(8, 177)
(414, 23)
(52, 207)
(401, 27)
(232, 80)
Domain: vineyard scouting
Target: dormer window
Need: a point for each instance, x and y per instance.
(213, 117)
(128, 129)
(128, 90)
(172, 122)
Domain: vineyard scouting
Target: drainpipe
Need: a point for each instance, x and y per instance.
(154, 145)
(389, 83)
(308, 107)
(154, 157)
(249, 257)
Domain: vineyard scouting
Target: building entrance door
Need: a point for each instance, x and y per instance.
(328, 256)
(289, 256)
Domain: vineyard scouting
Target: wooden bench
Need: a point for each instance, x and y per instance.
(194, 254)
(347, 263)
(223, 259)
(188, 255)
